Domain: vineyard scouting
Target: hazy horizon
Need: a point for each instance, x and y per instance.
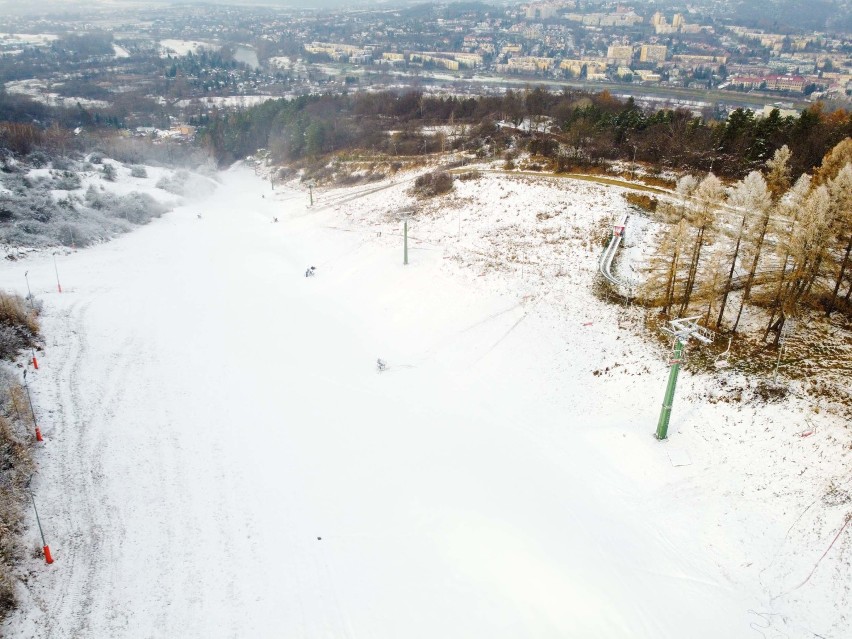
(14, 7)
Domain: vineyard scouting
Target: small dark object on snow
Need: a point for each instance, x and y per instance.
(381, 364)
(319, 538)
(274, 220)
(311, 271)
(198, 215)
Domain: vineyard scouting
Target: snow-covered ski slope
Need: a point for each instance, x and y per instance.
(223, 458)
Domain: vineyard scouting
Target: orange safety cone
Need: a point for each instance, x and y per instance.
(39, 438)
(47, 558)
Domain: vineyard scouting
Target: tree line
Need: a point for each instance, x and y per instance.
(772, 240)
(592, 127)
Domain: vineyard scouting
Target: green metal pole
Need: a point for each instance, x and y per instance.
(405, 244)
(666, 412)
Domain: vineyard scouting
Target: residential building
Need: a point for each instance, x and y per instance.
(653, 53)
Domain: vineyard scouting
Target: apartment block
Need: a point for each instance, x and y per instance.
(653, 53)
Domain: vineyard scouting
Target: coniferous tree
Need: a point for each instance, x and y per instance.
(706, 199)
(834, 161)
(675, 243)
(778, 182)
(750, 197)
(664, 267)
(840, 194)
(807, 247)
(789, 208)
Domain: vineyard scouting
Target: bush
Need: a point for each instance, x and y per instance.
(469, 175)
(642, 201)
(432, 184)
(109, 172)
(174, 183)
(97, 157)
(16, 466)
(138, 171)
(18, 325)
(61, 164)
(38, 159)
(137, 208)
(509, 164)
(68, 181)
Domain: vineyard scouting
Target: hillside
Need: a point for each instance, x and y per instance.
(224, 457)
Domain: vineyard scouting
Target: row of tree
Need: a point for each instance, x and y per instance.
(782, 244)
(597, 127)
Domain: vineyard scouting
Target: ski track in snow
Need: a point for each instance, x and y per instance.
(210, 413)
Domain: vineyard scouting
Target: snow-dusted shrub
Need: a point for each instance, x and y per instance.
(138, 171)
(473, 174)
(435, 183)
(15, 313)
(16, 182)
(642, 201)
(68, 234)
(175, 183)
(62, 163)
(27, 205)
(137, 208)
(16, 466)
(38, 159)
(87, 231)
(67, 181)
(26, 233)
(12, 340)
(98, 199)
(284, 173)
(68, 203)
(97, 157)
(109, 172)
(30, 216)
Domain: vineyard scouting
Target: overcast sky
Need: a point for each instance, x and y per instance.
(17, 6)
(68, 4)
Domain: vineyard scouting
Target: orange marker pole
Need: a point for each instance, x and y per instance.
(48, 558)
(56, 268)
(39, 438)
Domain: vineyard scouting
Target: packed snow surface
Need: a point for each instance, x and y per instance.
(224, 459)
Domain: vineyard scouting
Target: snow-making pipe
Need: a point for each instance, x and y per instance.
(605, 263)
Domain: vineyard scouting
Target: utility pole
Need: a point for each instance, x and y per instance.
(682, 329)
(39, 438)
